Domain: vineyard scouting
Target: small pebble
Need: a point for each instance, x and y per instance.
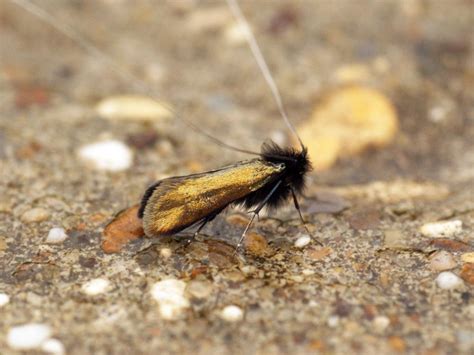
(170, 296)
(237, 220)
(165, 253)
(199, 289)
(53, 346)
(95, 287)
(397, 343)
(56, 235)
(381, 323)
(441, 229)
(232, 313)
(447, 280)
(333, 321)
(296, 278)
(438, 113)
(256, 244)
(442, 260)
(237, 33)
(394, 238)
(111, 155)
(319, 253)
(133, 108)
(468, 257)
(302, 241)
(28, 336)
(4, 299)
(352, 73)
(35, 215)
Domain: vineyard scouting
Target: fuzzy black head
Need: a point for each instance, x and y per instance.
(297, 165)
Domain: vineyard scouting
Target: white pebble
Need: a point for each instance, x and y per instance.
(447, 280)
(111, 155)
(133, 108)
(95, 287)
(442, 260)
(28, 336)
(438, 113)
(441, 229)
(333, 321)
(53, 346)
(237, 33)
(302, 241)
(232, 313)
(4, 299)
(170, 297)
(381, 323)
(56, 235)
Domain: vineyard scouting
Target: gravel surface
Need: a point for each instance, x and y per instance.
(389, 277)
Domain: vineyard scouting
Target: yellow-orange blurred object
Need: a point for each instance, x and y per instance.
(346, 122)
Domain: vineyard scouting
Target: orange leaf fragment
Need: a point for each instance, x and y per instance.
(467, 273)
(125, 227)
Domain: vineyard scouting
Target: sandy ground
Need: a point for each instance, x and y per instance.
(373, 287)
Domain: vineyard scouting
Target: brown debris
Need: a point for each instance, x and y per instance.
(282, 20)
(450, 245)
(31, 95)
(319, 254)
(467, 273)
(142, 140)
(29, 150)
(365, 220)
(397, 344)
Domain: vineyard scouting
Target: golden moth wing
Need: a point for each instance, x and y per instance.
(179, 202)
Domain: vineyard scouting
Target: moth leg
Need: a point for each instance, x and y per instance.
(255, 213)
(191, 238)
(206, 220)
(297, 206)
(201, 226)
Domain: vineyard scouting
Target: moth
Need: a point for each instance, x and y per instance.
(174, 204)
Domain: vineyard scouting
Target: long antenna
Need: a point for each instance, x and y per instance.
(67, 31)
(262, 64)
